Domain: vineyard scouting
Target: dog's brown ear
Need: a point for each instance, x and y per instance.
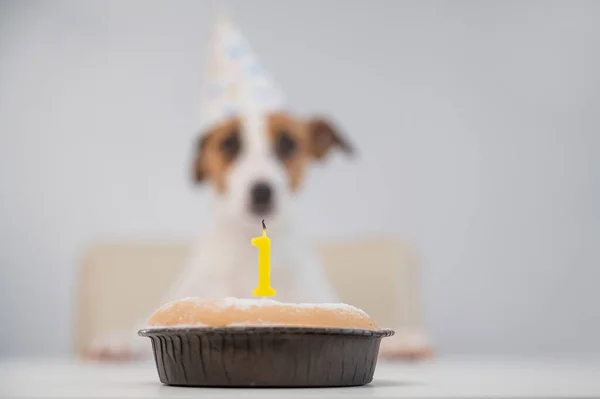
(323, 137)
(199, 172)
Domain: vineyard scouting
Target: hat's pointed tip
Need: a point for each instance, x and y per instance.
(222, 17)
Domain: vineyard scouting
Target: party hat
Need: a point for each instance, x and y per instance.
(236, 83)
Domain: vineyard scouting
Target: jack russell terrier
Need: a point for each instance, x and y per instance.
(256, 165)
(255, 156)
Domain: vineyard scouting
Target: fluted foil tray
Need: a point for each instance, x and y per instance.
(265, 356)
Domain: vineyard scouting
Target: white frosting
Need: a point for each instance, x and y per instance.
(249, 303)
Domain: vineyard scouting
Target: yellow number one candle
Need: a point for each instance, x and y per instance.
(263, 243)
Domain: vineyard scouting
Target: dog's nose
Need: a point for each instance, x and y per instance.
(262, 197)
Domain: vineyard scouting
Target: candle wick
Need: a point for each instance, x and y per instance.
(263, 223)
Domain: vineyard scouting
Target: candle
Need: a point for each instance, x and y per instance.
(263, 243)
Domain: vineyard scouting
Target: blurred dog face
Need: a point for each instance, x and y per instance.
(256, 163)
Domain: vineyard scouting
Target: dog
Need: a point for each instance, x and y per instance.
(256, 165)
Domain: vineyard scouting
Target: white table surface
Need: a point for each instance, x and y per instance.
(445, 377)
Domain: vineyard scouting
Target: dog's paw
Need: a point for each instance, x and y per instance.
(406, 344)
(118, 346)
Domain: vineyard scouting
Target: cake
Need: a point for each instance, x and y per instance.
(231, 342)
(234, 312)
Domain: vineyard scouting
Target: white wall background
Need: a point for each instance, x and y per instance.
(478, 126)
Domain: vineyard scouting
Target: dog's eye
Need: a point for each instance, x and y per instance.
(230, 145)
(285, 145)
